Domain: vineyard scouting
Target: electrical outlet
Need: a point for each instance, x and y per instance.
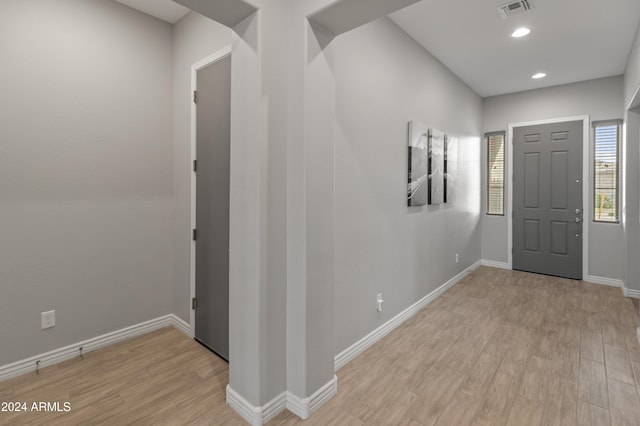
(48, 319)
(457, 258)
(380, 302)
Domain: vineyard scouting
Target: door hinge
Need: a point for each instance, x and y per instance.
(195, 165)
(194, 235)
(195, 96)
(194, 303)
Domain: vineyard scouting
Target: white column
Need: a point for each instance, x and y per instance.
(310, 212)
(281, 343)
(631, 198)
(257, 352)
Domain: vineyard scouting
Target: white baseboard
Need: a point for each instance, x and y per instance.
(363, 344)
(274, 407)
(249, 412)
(301, 407)
(59, 355)
(603, 281)
(630, 292)
(494, 264)
(256, 416)
(181, 325)
(304, 407)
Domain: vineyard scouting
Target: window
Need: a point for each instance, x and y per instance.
(606, 169)
(495, 173)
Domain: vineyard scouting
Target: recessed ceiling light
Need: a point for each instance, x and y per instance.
(539, 75)
(520, 32)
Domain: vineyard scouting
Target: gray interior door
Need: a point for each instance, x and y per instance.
(212, 206)
(547, 199)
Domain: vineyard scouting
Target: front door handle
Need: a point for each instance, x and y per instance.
(578, 220)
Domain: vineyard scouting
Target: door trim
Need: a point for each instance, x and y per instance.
(586, 185)
(203, 63)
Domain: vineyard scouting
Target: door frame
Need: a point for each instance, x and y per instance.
(203, 63)
(586, 184)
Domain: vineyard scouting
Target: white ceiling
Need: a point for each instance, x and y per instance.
(570, 40)
(162, 9)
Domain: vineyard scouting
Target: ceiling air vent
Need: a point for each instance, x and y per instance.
(514, 7)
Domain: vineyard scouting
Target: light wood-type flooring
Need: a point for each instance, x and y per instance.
(499, 348)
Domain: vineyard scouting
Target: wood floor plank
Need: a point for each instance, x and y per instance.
(625, 404)
(561, 403)
(617, 364)
(464, 351)
(498, 401)
(461, 410)
(567, 361)
(595, 321)
(392, 408)
(592, 386)
(481, 375)
(613, 334)
(536, 380)
(343, 419)
(592, 415)
(439, 390)
(636, 370)
(502, 339)
(525, 413)
(591, 346)
(515, 359)
(548, 343)
(633, 346)
(620, 310)
(589, 302)
(568, 333)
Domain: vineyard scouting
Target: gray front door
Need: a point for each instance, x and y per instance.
(547, 199)
(212, 206)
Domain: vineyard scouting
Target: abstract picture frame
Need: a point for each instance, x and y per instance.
(450, 169)
(436, 167)
(417, 189)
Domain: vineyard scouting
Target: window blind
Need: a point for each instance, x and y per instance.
(606, 173)
(495, 174)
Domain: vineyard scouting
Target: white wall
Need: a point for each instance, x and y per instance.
(85, 171)
(601, 99)
(195, 37)
(383, 80)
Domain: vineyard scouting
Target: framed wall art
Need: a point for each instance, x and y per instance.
(436, 167)
(450, 169)
(417, 190)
